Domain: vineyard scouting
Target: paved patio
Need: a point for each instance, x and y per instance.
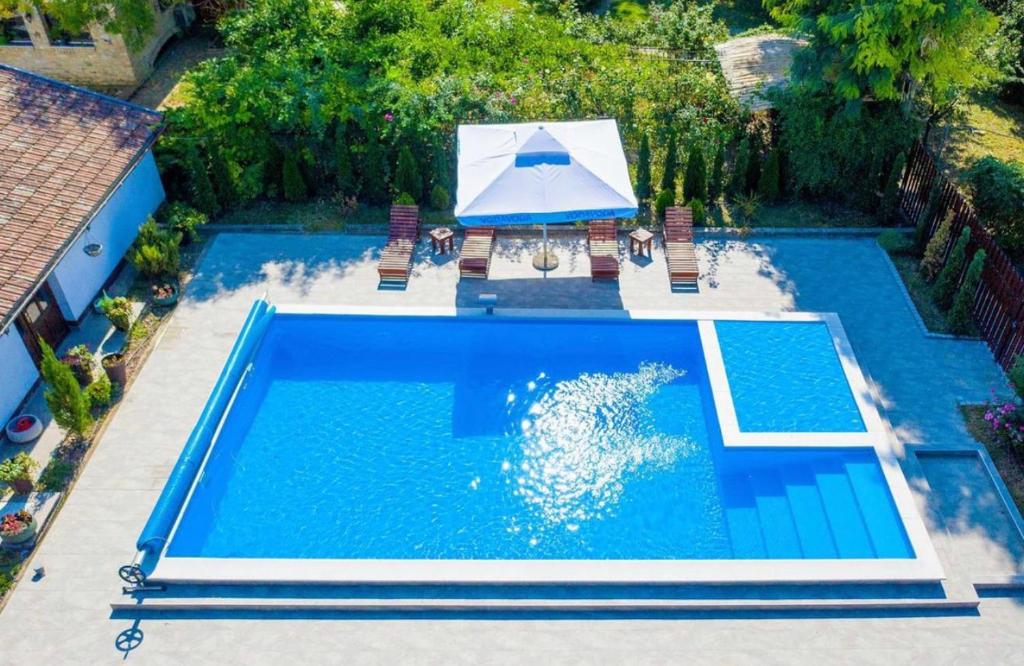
(65, 617)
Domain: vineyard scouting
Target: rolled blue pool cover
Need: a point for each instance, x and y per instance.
(158, 527)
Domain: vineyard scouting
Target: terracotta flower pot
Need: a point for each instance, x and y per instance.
(116, 367)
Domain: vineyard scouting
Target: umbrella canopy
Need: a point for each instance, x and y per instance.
(532, 173)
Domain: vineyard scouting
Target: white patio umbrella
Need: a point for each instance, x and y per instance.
(541, 173)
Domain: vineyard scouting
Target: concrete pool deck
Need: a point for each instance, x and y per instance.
(65, 616)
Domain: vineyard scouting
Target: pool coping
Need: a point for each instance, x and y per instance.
(923, 567)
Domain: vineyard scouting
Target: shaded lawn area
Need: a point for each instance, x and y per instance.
(992, 127)
(1009, 463)
(921, 293)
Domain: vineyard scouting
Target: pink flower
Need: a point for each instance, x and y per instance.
(389, 116)
(511, 100)
(989, 415)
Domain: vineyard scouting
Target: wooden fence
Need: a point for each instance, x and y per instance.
(999, 303)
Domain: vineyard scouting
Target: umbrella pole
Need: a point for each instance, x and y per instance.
(545, 260)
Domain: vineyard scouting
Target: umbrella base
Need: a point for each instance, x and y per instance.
(545, 260)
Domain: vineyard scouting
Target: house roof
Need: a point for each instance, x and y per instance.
(753, 64)
(63, 151)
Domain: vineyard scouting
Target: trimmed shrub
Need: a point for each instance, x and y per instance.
(891, 193)
(375, 172)
(200, 188)
(935, 253)
(665, 199)
(768, 186)
(738, 185)
(997, 192)
(64, 396)
(895, 242)
(669, 168)
(155, 251)
(293, 185)
(695, 186)
(1016, 374)
(963, 304)
(98, 392)
(439, 199)
(717, 174)
(643, 170)
(924, 222)
(949, 276)
(407, 175)
(699, 215)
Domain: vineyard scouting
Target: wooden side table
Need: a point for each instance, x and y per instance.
(442, 239)
(640, 239)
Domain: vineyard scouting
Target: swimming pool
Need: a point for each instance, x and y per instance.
(425, 439)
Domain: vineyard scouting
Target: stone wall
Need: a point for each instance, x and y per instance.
(105, 62)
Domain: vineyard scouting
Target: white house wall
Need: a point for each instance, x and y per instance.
(78, 277)
(17, 372)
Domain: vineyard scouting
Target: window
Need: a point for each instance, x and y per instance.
(61, 37)
(14, 31)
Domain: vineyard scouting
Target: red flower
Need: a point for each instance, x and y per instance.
(23, 424)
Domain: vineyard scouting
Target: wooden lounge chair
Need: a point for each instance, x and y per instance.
(680, 251)
(475, 260)
(604, 250)
(396, 258)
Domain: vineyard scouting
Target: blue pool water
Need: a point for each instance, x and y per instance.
(423, 438)
(786, 377)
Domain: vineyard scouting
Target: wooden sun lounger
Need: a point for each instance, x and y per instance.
(475, 259)
(680, 251)
(604, 250)
(396, 258)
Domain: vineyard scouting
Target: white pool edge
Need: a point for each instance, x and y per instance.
(924, 567)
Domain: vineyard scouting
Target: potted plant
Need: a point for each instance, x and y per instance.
(23, 428)
(165, 294)
(116, 367)
(80, 360)
(17, 473)
(17, 527)
(119, 311)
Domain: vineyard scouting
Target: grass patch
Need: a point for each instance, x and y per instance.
(790, 215)
(921, 293)
(1007, 461)
(991, 127)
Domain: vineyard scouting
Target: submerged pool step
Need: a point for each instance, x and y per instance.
(844, 515)
(773, 510)
(878, 511)
(812, 524)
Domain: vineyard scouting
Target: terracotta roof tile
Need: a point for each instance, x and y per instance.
(61, 150)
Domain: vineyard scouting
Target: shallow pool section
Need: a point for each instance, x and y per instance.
(787, 377)
(487, 438)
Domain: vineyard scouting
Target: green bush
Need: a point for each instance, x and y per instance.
(753, 175)
(155, 251)
(405, 199)
(375, 172)
(17, 467)
(407, 175)
(768, 185)
(924, 221)
(57, 474)
(222, 176)
(439, 199)
(184, 220)
(98, 393)
(293, 185)
(200, 189)
(119, 311)
(960, 316)
(895, 242)
(665, 199)
(715, 185)
(670, 165)
(64, 396)
(643, 169)
(695, 185)
(935, 252)
(699, 215)
(344, 174)
(1016, 374)
(997, 192)
(738, 185)
(949, 276)
(890, 195)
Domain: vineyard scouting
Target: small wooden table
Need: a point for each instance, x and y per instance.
(640, 239)
(442, 238)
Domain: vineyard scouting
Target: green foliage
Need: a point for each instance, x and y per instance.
(17, 468)
(293, 185)
(716, 184)
(699, 215)
(98, 392)
(924, 221)
(441, 168)
(695, 186)
(949, 276)
(895, 242)
(1011, 48)
(119, 311)
(184, 220)
(1016, 374)
(200, 189)
(439, 199)
(747, 206)
(64, 396)
(890, 195)
(375, 172)
(344, 172)
(997, 192)
(738, 185)
(155, 251)
(963, 304)
(768, 185)
(643, 169)
(223, 178)
(404, 199)
(57, 474)
(134, 20)
(670, 165)
(665, 199)
(407, 175)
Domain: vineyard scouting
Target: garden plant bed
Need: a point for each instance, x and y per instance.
(921, 293)
(1010, 463)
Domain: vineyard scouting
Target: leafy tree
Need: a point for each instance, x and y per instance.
(133, 20)
(891, 193)
(643, 169)
(344, 174)
(375, 172)
(670, 166)
(935, 252)
(768, 185)
(292, 183)
(715, 185)
(222, 177)
(695, 186)
(949, 276)
(201, 192)
(997, 192)
(441, 176)
(439, 198)
(64, 396)
(963, 304)
(407, 175)
(738, 185)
